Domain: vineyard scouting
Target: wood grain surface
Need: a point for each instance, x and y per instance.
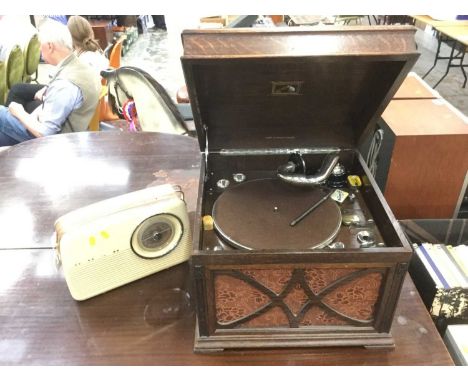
(429, 160)
(150, 321)
(414, 87)
(44, 178)
(42, 325)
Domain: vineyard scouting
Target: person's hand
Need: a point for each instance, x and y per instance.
(16, 109)
(40, 94)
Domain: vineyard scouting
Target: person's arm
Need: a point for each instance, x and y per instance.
(59, 101)
(40, 94)
(29, 121)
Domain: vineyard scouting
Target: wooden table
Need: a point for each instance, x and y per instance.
(150, 321)
(42, 325)
(48, 177)
(459, 36)
(428, 20)
(456, 36)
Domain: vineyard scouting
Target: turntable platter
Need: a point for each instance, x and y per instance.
(257, 214)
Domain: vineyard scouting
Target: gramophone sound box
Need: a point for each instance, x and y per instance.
(294, 244)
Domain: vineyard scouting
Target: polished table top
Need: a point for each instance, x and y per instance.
(150, 321)
(43, 179)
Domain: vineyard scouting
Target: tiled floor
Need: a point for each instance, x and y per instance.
(158, 53)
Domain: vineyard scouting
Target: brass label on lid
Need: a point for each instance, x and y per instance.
(286, 87)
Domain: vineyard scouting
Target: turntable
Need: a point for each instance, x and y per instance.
(294, 245)
(257, 215)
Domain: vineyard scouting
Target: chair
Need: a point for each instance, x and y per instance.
(14, 66)
(94, 123)
(346, 19)
(32, 56)
(106, 113)
(2, 83)
(156, 110)
(395, 19)
(116, 53)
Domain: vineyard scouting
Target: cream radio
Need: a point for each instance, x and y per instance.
(122, 239)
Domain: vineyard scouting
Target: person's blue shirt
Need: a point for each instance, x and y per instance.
(60, 99)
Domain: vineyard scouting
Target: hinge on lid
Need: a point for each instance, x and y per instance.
(280, 151)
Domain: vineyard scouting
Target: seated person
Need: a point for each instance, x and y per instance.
(85, 45)
(68, 102)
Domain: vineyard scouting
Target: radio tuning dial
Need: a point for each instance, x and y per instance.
(157, 236)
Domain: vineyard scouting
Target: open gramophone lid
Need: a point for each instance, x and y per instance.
(257, 214)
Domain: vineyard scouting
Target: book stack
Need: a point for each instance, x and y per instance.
(456, 340)
(448, 267)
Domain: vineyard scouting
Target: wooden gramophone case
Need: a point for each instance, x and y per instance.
(258, 96)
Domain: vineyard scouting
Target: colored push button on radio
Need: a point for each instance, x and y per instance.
(92, 241)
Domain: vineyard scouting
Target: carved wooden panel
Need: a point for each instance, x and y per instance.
(263, 298)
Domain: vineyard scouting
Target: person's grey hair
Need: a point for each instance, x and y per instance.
(55, 32)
